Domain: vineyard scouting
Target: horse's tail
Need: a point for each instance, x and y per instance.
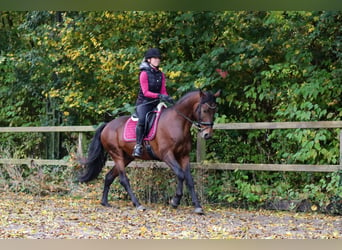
(96, 158)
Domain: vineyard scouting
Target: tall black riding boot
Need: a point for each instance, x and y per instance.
(138, 148)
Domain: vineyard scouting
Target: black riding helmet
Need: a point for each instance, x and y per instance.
(154, 52)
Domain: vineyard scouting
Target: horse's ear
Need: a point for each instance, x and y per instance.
(218, 93)
(202, 93)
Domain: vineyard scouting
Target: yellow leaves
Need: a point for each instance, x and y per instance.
(92, 57)
(314, 208)
(120, 17)
(109, 15)
(53, 93)
(199, 83)
(143, 231)
(174, 74)
(25, 216)
(44, 212)
(333, 102)
(311, 29)
(73, 99)
(125, 64)
(111, 62)
(123, 231)
(336, 234)
(267, 59)
(95, 42)
(74, 54)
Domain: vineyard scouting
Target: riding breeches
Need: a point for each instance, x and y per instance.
(142, 109)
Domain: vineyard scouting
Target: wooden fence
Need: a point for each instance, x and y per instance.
(200, 151)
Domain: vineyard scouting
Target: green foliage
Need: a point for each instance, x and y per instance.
(257, 188)
(75, 68)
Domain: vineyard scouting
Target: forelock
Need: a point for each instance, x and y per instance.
(208, 97)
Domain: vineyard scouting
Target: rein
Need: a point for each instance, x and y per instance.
(198, 123)
(195, 123)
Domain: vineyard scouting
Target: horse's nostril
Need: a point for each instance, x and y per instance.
(207, 136)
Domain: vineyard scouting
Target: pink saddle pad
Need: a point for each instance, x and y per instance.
(130, 125)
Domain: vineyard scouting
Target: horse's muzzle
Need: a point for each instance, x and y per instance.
(207, 133)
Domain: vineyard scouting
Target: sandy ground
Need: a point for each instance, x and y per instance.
(53, 217)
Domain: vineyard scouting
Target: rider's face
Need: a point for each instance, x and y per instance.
(154, 61)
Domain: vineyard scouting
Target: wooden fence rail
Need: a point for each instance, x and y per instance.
(200, 147)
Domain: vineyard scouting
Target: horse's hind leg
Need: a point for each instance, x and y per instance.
(124, 181)
(110, 177)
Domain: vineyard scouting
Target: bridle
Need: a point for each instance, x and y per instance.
(199, 123)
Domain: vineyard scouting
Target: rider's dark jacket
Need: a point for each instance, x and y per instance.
(152, 83)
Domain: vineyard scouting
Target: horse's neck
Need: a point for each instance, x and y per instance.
(187, 107)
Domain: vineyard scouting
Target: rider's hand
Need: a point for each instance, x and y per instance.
(166, 98)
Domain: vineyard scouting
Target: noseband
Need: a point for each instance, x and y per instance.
(199, 123)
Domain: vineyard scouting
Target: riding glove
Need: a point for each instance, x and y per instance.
(166, 98)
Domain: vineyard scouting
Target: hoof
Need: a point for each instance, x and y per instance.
(141, 208)
(105, 204)
(199, 210)
(173, 204)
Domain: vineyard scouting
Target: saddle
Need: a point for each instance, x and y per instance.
(152, 119)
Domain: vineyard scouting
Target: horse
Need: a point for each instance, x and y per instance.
(172, 145)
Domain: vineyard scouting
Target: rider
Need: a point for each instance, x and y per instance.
(152, 89)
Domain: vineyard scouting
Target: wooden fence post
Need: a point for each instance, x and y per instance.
(200, 150)
(80, 144)
(340, 149)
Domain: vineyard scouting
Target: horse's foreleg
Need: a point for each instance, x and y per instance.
(172, 162)
(190, 184)
(110, 176)
(175, 201)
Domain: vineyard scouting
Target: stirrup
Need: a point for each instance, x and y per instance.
(135, 117)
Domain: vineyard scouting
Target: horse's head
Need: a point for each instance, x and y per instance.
(205, 112)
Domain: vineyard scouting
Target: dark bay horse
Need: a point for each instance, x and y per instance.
(172, 145)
